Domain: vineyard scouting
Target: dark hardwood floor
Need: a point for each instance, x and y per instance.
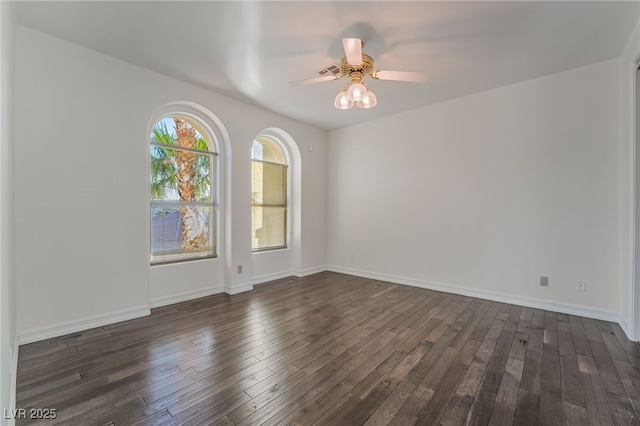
(333, 349)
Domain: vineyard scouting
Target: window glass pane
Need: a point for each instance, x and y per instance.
(257, 151)
(178, 175)
(267, 150)
(269, 183)
(179, 232)
(269, 195)
(166, 235)
(178, 131)
(269, 225)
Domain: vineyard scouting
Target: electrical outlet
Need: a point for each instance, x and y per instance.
(581, 285)
(544, 281)
(239, 269)
(352, 257)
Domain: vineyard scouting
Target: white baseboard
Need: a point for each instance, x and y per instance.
(564, 308)
(271, 277)
(183, 297)
(300, 273)
(310, 271)
(14, 380)
(236, 289)
(34, 335)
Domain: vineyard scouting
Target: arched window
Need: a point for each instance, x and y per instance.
(268, 195)
(183, 171)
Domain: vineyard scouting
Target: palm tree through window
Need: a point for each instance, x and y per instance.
(182, 187)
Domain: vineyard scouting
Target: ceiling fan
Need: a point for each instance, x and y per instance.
(357, 65)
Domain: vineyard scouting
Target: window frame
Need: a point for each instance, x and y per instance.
(214, 181)
(287, 195)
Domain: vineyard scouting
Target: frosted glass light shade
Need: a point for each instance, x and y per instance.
(342, 101)
(369, 100)
(356, 91)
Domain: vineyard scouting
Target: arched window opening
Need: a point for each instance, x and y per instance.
(268, 195)
(183, 170)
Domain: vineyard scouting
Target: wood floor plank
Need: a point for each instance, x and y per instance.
(595, 399)
(428, 372)
(572, 392)
(630, 378)
(573, 415)
(550, 382)
(527, 409)
(480, 412)
(619, 404)
(457, 408)
(331, 349)
(368, 373)
(632, 349)
(443, 387)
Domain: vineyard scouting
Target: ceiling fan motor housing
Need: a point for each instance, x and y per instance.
(356, 72)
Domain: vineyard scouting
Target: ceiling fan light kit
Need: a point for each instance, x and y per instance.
(356, 91)
(369, 100)
(357, 65)
(342, 101)
(356, 94)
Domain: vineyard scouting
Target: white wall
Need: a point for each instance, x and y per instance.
(81, 188)
(635, 284)
(630, 296)
(8, 346)
(484, 194)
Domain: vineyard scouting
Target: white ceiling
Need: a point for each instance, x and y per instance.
(252, 50)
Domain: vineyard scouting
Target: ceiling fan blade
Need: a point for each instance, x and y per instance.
(414, 77)
(353, 50)
(315, 80)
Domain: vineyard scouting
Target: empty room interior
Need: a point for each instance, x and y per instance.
(320, 213)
